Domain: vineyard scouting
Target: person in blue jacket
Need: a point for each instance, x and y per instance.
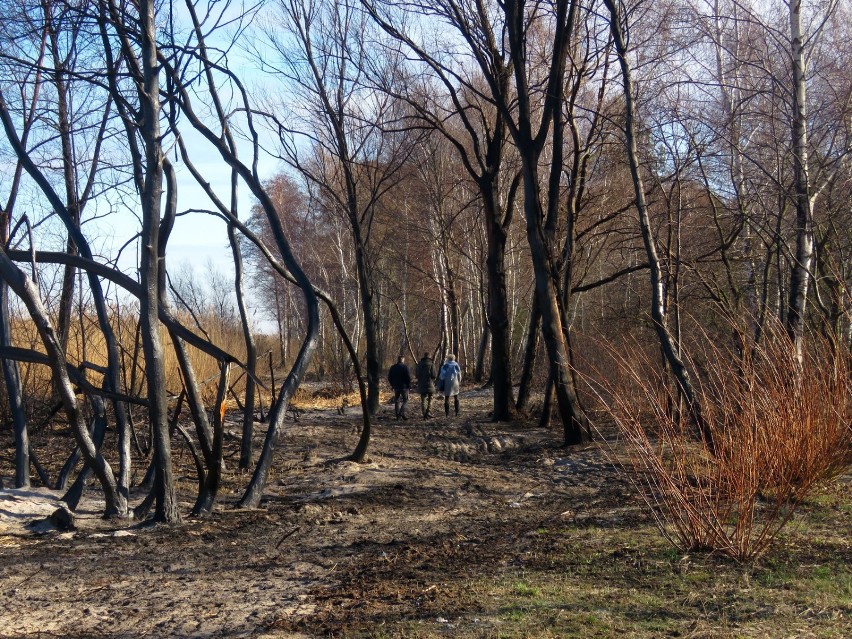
(449, 382)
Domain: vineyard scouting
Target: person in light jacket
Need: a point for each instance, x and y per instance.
(425, 373)
(449, 381)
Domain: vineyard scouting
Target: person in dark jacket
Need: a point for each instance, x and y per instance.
(400, 380)
(425, 384)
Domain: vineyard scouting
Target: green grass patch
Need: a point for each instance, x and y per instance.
(525, 590)
(629, 583)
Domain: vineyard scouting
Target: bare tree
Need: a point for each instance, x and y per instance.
(322, 51)
(142, 58)
(658, 309)
(11, 372)
(46, 64)
(103, 318)
(804, 191)
(182, 98)
(535, 116)
(25, 288)
(477, 130)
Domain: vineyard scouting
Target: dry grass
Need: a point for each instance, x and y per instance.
(327, 398)
(778, 429)
(90, 347)
(86, 344)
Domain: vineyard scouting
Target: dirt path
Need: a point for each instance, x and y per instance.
(436, 497)
(454, 527)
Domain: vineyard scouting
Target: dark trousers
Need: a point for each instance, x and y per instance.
(400, 399)
(426, 403)
(447, 404)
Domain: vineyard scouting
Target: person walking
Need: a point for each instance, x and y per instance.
(425, 374)
(400, 380)
(449, 381)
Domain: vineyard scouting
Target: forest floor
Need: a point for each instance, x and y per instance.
(452, 528)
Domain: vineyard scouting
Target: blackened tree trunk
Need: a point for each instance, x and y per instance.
(61, 86)
(251, 351)
(336, 318)
(11, 372)
(116, 504)
(183, 99)
(166, 506)
(530, 348)
(57, 27)
(98, 430)
(113, 359)
(254, 491)
(70, 218)
(14, 393)
(191, 391)
(207, 496)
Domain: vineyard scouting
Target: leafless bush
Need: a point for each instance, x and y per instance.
(778, 428)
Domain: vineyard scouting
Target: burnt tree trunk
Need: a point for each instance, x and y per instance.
(498, 311)
(530, 349)
(191, 390)
(207, 499)
(113, 359)
(166, 506)
(251, 351)
(116, 504)
(14, 393)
